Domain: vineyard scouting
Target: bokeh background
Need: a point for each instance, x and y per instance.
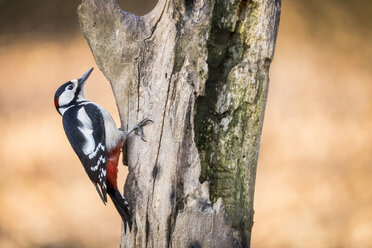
(314, 180)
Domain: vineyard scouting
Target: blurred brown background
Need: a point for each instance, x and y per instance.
(314, 186)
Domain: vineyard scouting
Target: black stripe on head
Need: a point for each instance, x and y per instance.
(77, 92)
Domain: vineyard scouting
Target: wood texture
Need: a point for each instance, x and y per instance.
(199, 70)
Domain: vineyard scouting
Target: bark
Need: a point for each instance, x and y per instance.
(199, 70)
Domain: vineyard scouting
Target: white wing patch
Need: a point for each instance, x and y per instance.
(94, 153)
(99, 161)
(87, 131)
(102, 175)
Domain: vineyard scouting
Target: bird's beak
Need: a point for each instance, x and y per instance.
(83, 79)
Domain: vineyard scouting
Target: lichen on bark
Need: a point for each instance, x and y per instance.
(229, 116)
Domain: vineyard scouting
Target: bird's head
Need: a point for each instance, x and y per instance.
(70, 93)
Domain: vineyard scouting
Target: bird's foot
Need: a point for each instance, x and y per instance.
(138, 129)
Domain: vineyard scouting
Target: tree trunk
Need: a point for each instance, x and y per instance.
(199, 70)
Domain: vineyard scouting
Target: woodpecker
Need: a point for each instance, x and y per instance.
(95, 139)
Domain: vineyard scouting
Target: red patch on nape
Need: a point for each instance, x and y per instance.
(56, 102)
(112, 166)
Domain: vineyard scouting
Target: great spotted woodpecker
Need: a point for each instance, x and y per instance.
(95, 139)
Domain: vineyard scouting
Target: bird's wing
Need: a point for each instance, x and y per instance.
(85, 129)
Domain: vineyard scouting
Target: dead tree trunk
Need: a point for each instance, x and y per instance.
(199, 70)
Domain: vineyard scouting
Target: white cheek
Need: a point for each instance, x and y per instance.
(66, 97)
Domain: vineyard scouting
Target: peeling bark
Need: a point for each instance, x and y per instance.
(199, 70)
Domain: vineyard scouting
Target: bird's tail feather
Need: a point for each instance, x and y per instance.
(121, 206)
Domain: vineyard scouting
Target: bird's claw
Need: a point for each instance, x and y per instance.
(137, 129)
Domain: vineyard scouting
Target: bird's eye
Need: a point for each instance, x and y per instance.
(70, 87)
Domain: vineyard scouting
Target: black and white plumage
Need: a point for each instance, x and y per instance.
(88, 142)
(95, 139)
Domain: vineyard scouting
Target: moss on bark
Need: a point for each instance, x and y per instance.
(229, 117)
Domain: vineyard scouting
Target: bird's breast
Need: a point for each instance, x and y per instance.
(112, 133)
